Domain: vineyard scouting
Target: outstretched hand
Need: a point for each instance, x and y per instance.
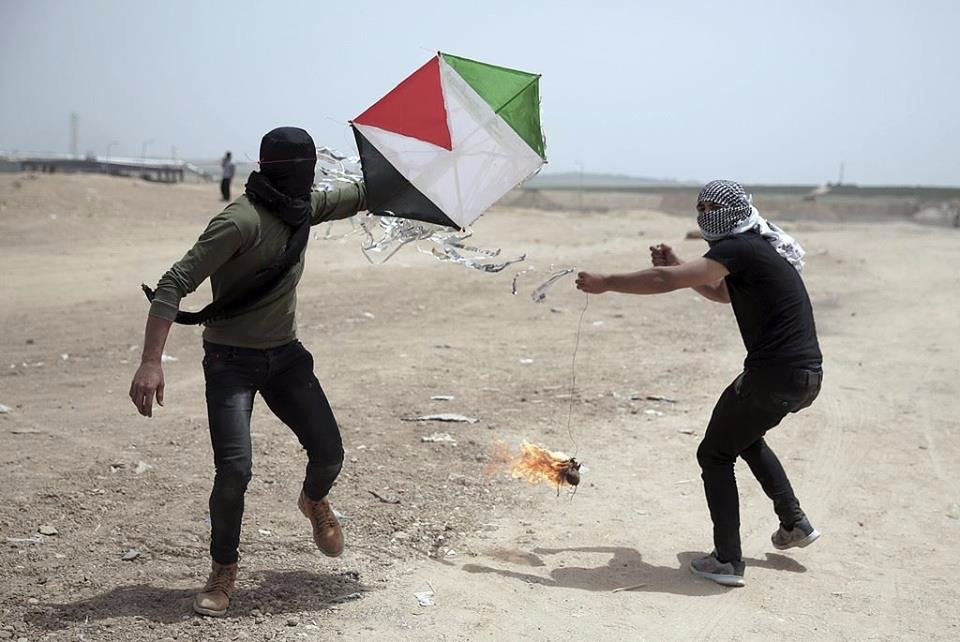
(592, 282)
(663, 255)
(147, 382)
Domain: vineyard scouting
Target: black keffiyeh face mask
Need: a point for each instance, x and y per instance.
(288, 158)
(731, 209)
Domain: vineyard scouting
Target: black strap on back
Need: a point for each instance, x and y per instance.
(261, 283)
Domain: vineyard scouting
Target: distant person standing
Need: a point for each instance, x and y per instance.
(229, 168)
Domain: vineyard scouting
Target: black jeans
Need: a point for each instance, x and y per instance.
(284, 378)
(225, 189)
(754, 403)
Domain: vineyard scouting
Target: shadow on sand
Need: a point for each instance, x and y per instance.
(625, 568)
(276, 592)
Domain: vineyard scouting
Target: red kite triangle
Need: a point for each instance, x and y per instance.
(413, 108)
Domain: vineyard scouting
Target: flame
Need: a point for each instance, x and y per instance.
(537, 465)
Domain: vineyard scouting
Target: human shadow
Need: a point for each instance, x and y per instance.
(277, 592)
(626, 570)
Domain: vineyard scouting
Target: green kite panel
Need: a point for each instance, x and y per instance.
(511, 93)
(523, 115)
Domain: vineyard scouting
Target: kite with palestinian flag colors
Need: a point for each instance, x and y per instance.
(450, 140)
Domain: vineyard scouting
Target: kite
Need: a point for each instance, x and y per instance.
(449, 141)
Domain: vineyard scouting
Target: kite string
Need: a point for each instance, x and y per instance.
(573, 374)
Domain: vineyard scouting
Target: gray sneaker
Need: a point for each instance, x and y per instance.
(802, 534)
(725, 573)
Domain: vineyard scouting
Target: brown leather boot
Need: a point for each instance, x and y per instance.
(326, 529)
(215, 597)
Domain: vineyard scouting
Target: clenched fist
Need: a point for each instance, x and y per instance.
(663, 255)
(591, 282)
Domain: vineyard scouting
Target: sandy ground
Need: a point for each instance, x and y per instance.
(874, 461)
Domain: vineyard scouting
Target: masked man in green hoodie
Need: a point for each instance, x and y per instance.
(253, 252)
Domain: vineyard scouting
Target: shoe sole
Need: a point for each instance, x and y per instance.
(303, 509)
(720, 578)
(210, 612)
(805, 542)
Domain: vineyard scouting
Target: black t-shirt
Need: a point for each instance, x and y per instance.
(769, 301)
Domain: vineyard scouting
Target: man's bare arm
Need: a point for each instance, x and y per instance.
(148, 380)
(663, 255)
(656, 280)
(715, 292)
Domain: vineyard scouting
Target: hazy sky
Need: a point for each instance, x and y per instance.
(761, 91)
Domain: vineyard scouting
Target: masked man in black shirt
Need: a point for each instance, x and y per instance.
(755, 266)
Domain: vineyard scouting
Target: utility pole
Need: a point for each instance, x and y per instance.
(840, 179)
(74, 127)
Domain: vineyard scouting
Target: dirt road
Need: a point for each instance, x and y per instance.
(874, 461)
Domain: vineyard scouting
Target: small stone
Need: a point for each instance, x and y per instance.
(130, 555)
(33, 600)
(447, 417)
(142, 467)
(5, 409)
(292, 621)
(48, 530)
(438, 438)
(5, 634)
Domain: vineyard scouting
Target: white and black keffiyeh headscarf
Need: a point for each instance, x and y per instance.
(737, 215)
